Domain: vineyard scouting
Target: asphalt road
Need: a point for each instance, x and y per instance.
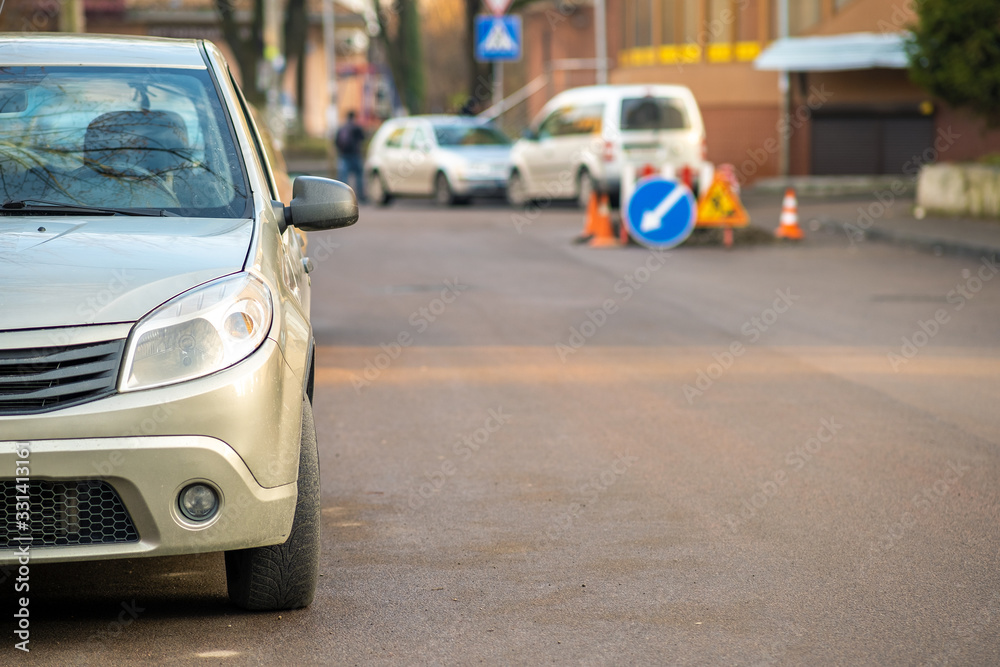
(538, 452)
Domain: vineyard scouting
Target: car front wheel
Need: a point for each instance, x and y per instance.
(377, 190)
(517, 192)
(284, 576)
(443, 194)
(585, 188)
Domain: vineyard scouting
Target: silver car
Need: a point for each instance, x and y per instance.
(156, 354)
(449, 158)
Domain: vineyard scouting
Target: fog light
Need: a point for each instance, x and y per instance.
(198, 502)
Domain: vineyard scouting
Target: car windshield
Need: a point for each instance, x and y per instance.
(470, 135)
(149, 138)
(653, 113)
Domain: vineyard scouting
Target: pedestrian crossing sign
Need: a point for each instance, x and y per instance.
(721, 207)
(498, 38)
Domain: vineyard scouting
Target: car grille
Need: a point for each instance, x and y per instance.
(73, 513)
(39, 380)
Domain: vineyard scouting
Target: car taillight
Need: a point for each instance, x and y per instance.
(609, 151)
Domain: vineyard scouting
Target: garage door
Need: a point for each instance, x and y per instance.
(868, 144)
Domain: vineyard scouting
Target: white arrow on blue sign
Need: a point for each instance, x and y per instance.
(661, 213)
(498, 38)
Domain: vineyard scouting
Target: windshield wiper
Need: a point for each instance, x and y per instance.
(56, 207)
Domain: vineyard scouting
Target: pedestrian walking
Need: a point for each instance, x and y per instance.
(349, 140)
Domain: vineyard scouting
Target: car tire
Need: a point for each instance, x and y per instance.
(284, 576)
(443, 194)
(585, 187)
(517, 193)
(377, 190)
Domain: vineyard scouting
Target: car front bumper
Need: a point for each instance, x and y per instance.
(482, 187)
(147, 473)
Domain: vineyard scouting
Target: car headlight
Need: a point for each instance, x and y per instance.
(201, 331)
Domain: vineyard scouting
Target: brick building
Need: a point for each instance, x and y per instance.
(851, 108)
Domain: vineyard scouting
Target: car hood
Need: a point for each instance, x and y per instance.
(60, 271)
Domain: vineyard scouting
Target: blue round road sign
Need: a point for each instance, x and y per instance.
(661, 213)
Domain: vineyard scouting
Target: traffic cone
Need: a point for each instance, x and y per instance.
(590, 221)
(604, 235)
(789, 227)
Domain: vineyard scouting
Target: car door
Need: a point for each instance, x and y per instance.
(539, 154)
(421, 150)
(393, 160)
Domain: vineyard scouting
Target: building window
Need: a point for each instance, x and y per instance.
(721, 19)
(804, 15)
(678, 21)
(638, 23)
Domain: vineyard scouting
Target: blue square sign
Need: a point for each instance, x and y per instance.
(498, 38)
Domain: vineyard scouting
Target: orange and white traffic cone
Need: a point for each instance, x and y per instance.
(604, 234)
(589, 221)
(789, 227)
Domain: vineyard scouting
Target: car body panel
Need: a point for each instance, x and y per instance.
(139, 470)
(115, 269)
(550, 165)
(46, 49)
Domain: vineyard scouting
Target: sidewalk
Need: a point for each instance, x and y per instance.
(880, 216)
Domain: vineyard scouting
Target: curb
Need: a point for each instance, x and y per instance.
(934, 246)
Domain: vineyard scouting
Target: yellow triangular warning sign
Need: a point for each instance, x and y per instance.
(721, 207)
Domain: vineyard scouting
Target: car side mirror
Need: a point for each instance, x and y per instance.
(529, 134)
(321, 203)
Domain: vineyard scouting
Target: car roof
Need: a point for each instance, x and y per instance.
(626, 90)
(104, 50)
(448, 119)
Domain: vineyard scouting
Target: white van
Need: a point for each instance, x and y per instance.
(583, 137)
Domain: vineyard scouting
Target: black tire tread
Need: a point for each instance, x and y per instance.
(284, 576)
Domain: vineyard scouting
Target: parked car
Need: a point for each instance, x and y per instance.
(449, 158)
(583, 137)
(156, 353)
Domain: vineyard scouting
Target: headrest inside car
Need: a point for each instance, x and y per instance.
(131, 143)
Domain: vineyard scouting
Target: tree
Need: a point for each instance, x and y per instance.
(399, 30)
(955, 54)
(248, 51)
(480, 74)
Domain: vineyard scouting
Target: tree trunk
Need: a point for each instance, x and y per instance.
(247, 52)
(405, 53)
